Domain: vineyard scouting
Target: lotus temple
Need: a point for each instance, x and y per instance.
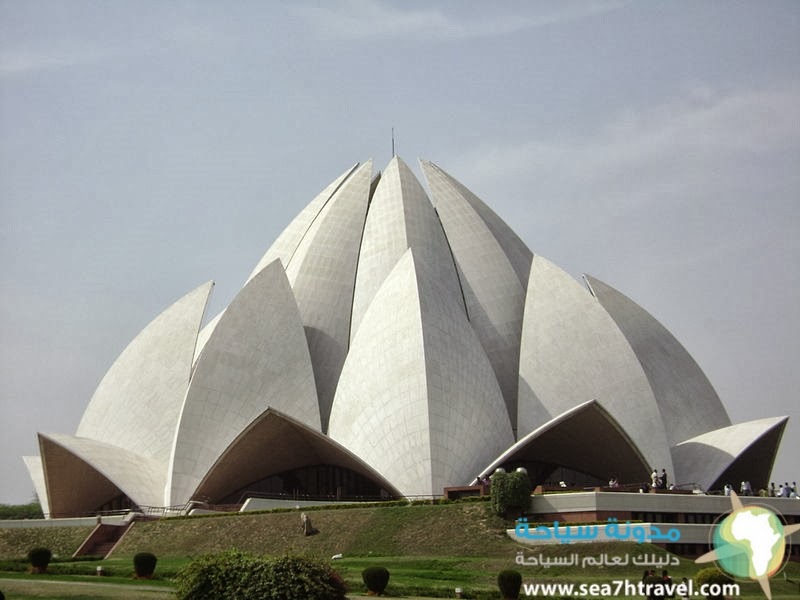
(396, 340)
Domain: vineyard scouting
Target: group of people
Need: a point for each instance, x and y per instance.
(783, 491)
(658, 481)
(745, 489)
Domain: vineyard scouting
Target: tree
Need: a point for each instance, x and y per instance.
(32, 510)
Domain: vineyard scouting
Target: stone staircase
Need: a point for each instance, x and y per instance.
(102, 539)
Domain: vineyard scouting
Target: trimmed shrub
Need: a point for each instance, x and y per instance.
(296, 577)
(212, 575)
(711, 575)
(519, 492)
(144, 565)
(653, 580)
(498, 493)
(510, 492)
(509, 583)
(376, 579)
(39, 558)
(235, 575)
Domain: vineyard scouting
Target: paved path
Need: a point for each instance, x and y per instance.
(112, 591)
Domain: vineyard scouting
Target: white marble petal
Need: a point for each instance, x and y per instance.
(744, 451)
(417, 390)
(256, 358)
(494, 291)
(80, 473)
(322, 274)
(688, 403)
(572, 351)
(400, 217)
(137, 404)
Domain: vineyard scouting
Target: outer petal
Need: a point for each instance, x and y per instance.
(688, 403)
(256, 358)
(289, 239)
(274, 443)
(137, 404)
(417, 388)
(572, 440)
(572, 351)
(493, 267)
(444, 185)
(83, 474)
(36, 472)
(322, 273)
(400, 217)
(740, 452)
(204, 335)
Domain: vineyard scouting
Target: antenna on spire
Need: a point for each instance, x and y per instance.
(393, 154)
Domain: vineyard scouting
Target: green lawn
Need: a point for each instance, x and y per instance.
(416, 576)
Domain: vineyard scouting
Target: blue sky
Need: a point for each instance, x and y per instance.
(147, 147)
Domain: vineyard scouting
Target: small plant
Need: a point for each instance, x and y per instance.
(376, 579)
(144, 565)
(711, 575)
(39, 558)
(509, 583)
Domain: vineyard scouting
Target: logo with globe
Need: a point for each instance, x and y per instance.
(749, 543)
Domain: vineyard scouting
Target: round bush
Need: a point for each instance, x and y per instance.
(235, 575)
(376, 579)
(711, 575)
(144, 565)
(39, 559)
(509, 583)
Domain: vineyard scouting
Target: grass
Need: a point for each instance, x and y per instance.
(428, 549)
(428, 576)
(62, 541)
(415, 530)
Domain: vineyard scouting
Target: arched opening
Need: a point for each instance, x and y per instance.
(313, 482)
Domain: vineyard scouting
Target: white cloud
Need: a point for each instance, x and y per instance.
(45, 54)
(700, 138)
(366, 19)
(704, 181)
(23, 61)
